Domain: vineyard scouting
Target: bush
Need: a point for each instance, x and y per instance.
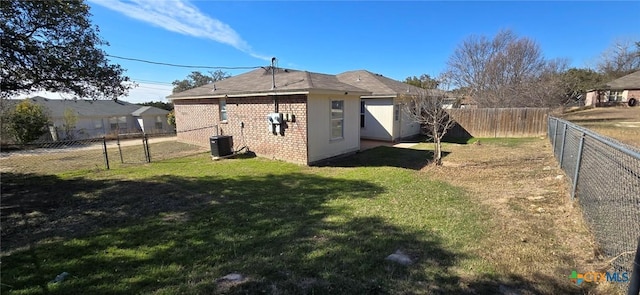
(28, 122)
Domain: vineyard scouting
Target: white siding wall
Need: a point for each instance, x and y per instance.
(591, 98)
(378, 119)
(408, 127)
(84, 128)
(150, 124)
(320, 145)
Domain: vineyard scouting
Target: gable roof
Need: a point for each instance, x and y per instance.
(261, 81)
(91, 108)
(149, 111)
(631, 81)
(380, 85)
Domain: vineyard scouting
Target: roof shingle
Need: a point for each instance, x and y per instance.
(91, 108)
(260, 81)
(631, 81)
(380, 85)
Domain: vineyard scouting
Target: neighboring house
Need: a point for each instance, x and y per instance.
(101, 117)
(152, 119)
(467, 102)
(624, 90)
(381, 114)
(319, 114)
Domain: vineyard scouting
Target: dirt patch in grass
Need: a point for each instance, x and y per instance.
(537, 232)
(621, 123)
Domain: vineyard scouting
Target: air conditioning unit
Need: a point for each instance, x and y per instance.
(221, 145)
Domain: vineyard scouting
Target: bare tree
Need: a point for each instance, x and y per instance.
(427, 109)
(499, 72)
(621, 58)
(547, 89)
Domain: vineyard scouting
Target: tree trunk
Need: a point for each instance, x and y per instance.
(437, 155)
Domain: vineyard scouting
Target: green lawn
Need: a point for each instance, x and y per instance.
(176, 226)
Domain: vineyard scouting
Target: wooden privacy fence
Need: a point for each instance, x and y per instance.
(507, 122)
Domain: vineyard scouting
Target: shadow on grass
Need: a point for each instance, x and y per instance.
(595, 120)
(179, 234)
(384, 156)
(536, 283)
(287, 234)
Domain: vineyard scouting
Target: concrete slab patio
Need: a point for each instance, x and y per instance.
(366, 144)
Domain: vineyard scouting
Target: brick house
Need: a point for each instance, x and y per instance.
(624, 90)
(319, 114)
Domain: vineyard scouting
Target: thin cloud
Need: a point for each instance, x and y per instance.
(181, 17)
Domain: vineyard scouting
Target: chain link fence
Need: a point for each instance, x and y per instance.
(93, 154)
(605, 177)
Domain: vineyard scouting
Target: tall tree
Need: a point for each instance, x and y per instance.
(197, 79)
(577, 82)
(424, 81)
(621, 58)
(51, 45)
(502, 71)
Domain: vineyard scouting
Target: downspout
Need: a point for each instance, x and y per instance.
(399, 122)
(275, 104)
(273, 84)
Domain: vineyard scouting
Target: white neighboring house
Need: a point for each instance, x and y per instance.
(97, 118)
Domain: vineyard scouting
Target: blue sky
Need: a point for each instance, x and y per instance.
(395, 39)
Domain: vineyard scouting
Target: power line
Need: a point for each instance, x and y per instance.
(181, 66)
(154, 88)
(151, 82)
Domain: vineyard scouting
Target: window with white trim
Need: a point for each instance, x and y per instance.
(615, 95)
(118, 123)
(223, 110)
(159, 122)
(396, 112)
(337, 119)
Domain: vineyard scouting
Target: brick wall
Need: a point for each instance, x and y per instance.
(633, 93)
(194, 119)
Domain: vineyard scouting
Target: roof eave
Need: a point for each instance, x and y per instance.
(380, 96)
(335, 91)
(239, 94)
(271, 93)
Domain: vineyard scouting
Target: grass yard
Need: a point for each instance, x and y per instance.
(621, 123)
(493, 220)
(90, 158)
